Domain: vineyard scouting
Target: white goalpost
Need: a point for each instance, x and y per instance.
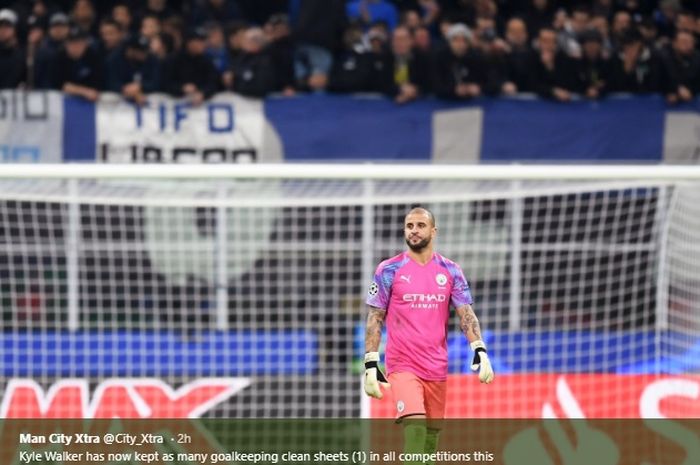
(239, 289)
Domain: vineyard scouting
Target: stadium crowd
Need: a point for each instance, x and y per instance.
(454, 49)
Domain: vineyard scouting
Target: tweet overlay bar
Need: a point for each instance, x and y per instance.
(205, 441)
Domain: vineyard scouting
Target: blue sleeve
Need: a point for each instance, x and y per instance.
(380, 288)
(461, 294)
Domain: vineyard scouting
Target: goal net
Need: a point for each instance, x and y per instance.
(238, 291)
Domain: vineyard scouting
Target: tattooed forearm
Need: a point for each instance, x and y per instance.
(469, 323)
(373, 334)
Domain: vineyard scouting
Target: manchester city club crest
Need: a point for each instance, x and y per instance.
(441, 279)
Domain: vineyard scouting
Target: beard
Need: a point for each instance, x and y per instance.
(418, 246)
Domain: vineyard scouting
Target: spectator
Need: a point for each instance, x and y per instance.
(222, 11)
(484, 32)
(600, 24)
(150, 26)
(649, 32)
(682, 68)
(111, 37)
(191, 73)
(665, 17)
(411, 19)
(318, 27)
(685, 21)
(458, 71)
(368, 12)
(216, 47)
(622, 22)
(520, 55)
(568, 37)
(83, 16)
(235, 34)
(516, 35)
(162, 47)
(497, 70)
(281, 51)
(552, 74)
(133, 71)
(122, 15)
(594, 68)
(422, 40)
(410, 68)
(79, 69)
(636, 68)
(36, 12)
(45, 63)
(35, 37)
(252, 72)
(351, 69)
(174, 27)
(485, 9)
(12, 60)
(379, 58)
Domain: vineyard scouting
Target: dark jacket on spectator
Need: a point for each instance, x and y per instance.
(184, 68)
(519, 66)
(544, 80)
(351, 71)
(496, 71)
(253, 74)
(646, 77)
(593, 73)
(681, 70)
(122, 71)
(45, 63)
(86, 71)
(281, 52)
(381, 72)
(12, 67)
(418, 74)
(450, 70)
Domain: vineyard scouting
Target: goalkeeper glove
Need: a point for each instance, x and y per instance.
(374, 376)
(481, 362)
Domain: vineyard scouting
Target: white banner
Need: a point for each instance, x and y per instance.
(682, 138)
(31, 127)
(225, 129)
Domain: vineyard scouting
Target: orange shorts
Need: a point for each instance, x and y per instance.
(414, 396)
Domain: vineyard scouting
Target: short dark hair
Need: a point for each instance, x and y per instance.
(420, 208)
(110, 22)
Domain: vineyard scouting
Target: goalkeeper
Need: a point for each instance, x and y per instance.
(412, 292)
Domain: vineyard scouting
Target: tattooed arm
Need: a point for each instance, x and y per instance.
(373, 334)
(469, 323)
(374, 378)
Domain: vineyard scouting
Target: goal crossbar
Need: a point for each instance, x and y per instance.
(354, 172)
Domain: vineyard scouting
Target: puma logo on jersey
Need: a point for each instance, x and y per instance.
(403, 277)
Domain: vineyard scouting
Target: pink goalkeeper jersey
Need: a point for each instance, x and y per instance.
(417, 299)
